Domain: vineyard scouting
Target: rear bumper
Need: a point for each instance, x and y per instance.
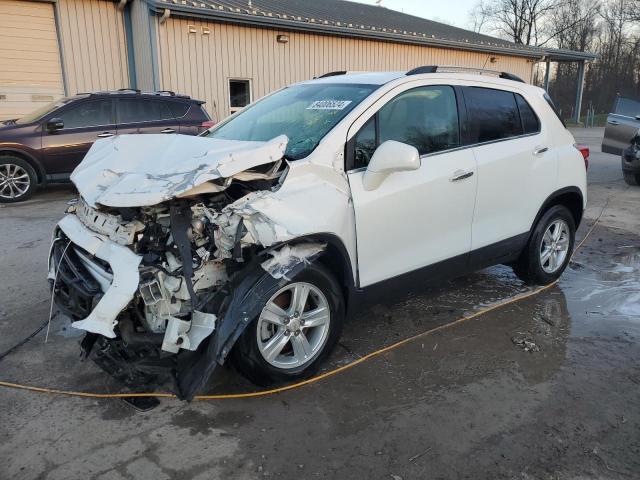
(78, 292)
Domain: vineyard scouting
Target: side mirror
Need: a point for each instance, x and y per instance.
(390, 157)
(55, 124)
(637, 117)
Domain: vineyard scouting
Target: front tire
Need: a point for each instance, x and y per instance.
(18, 180)
(297, 329)
(549, 249)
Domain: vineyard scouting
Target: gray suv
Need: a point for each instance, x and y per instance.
(622, 124)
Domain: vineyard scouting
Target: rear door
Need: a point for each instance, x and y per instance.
(84, 122)
(517, 170)
(622, 124)
(144, 115)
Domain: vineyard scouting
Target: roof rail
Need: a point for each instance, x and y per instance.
(135, 90)
(423, 69)
(479, 71)
(171, 93)
(333, 74)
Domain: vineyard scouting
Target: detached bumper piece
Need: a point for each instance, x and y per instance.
(75, 291)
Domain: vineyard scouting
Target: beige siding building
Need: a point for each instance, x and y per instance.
(228, 52)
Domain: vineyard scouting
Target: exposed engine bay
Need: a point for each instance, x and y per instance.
(150, 283)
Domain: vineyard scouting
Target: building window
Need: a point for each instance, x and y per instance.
(239, 94)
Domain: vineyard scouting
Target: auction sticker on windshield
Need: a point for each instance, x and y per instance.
(329, 105)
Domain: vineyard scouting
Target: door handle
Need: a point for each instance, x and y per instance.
(168, 130)
(460, 175)
(105, 134)
(540, 150)
(613, 122)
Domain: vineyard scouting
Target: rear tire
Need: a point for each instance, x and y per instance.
(549, 249)
(632, 179)
(288, 326)
(18, 179)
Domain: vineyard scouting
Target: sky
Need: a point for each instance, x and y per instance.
(454, 12)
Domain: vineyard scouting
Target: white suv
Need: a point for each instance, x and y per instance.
(252, 240)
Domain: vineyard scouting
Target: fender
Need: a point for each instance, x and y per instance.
(29, 157)
(556, 198)
(236, 305)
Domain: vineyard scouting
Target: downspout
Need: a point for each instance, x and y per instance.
(121, 5)
(61, 52)
(128, 35)
(154, 47)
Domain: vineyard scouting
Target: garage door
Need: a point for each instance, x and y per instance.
(30, 72)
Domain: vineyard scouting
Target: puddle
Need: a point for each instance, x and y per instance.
(607, 291)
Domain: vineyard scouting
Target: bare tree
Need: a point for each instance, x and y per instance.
(479, 17)
(517, 20)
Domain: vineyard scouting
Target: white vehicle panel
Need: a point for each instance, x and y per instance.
(416, 218)
(513, 183)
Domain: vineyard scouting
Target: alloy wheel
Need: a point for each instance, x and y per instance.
(14, 181)
(293, 326)
(554, 247)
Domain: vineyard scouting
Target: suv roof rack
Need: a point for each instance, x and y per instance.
(479, 71)
(135, 91)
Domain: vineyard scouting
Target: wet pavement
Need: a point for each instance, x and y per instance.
(546, 388)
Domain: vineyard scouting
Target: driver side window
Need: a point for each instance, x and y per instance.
(424, 117)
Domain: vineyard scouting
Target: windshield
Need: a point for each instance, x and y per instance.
(42, 111)
(304, 113)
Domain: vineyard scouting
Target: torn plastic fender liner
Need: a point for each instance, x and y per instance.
(243, 303)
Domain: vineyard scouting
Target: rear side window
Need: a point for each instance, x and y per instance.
(178, 109)
(627, 107)
(530, 121)
(493, 114)
(132, 110)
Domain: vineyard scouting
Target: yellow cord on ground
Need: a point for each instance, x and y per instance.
(317, 378)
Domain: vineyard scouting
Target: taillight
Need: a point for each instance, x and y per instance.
(584, 150)
(208, 124)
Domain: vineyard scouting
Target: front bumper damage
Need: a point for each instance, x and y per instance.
(173, 243)
(103, 286)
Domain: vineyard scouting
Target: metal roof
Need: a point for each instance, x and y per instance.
(350, 19)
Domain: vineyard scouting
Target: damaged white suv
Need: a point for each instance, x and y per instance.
(249, 242)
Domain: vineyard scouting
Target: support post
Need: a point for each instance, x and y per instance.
(546, 75)
(579, 92)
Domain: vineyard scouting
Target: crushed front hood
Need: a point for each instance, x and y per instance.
(144, 170)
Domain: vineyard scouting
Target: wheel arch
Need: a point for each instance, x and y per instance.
(335, 258)
(30, 159)
(570, 197)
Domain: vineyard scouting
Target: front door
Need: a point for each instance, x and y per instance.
(84, 122)
(422, 217)
(622, 125)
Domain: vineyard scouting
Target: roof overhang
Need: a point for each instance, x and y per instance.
(193, 10)
(561, 55)
(185, 10)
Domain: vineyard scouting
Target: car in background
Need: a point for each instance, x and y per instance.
(46, 145)
(622, 124)
(631, 161)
